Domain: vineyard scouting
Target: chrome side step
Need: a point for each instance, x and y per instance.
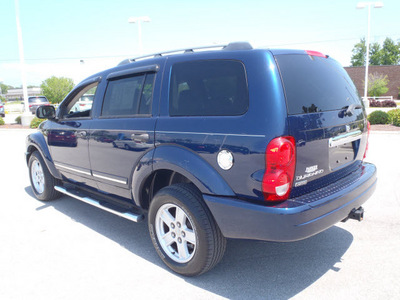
(127, 215)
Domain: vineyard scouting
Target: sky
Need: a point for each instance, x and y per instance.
(76, 38)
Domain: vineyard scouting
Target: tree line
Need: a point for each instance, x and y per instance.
(386, 55)
(54, 88)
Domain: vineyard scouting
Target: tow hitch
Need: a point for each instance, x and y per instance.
(355, 214)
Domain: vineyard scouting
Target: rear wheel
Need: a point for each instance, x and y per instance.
(42, 181)
(183, 230)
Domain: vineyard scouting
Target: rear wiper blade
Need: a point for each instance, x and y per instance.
(350, 109)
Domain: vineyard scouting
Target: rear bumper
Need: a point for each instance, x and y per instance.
(296, 218)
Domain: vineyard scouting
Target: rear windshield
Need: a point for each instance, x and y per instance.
(38, 100)
(315, 84)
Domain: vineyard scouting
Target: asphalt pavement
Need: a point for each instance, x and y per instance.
(66, 249)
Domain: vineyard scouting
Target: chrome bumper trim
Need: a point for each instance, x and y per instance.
(344, 138)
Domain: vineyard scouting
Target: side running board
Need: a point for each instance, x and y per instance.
(127, 215)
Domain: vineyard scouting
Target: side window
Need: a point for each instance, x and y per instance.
(82, 103)
(208, 88)
(129, 96)
(147, 95)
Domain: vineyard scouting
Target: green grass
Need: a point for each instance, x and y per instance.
(12, 103)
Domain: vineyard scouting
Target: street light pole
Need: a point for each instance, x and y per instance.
(138, 20)
(367, 55)
(361, 5)
(21, 57)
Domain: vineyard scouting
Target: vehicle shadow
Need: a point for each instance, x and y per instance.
(256, 269)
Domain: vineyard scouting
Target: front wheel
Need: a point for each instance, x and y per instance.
(42, 181)
(183, 231)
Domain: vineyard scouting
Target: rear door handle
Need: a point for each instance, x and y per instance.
(140, 137)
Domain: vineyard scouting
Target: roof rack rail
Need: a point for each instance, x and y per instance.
(230, 46)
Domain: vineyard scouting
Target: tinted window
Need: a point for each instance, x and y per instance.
(129, 96)
(123, 96)
(314, 84)
(37, 100)
(208, 88)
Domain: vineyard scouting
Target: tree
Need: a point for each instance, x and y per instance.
(5, 88)
(358, 57)
(390, 53)
(375, 54)
(56, 88)
(377, 85)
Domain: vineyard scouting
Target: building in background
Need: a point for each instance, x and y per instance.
(17, 94)
(357, 74)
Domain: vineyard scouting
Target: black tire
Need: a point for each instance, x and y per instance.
(48, 192)
(210, 244)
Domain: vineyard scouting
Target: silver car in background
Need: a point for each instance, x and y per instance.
(36, 101)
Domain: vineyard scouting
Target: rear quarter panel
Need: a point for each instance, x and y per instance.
(246, 136)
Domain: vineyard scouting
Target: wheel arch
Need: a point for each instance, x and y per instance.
(167, 165)
(37, 142)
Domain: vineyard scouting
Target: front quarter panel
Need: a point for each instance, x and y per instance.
(38, 141)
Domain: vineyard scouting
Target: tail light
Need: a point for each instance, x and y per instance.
(280, 164)
(366, 147)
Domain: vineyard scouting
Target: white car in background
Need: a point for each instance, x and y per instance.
(84, 103)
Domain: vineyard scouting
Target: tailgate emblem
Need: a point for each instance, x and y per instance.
(310, 172)
(311, 169)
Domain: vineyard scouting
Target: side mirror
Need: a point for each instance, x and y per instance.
(46, 112)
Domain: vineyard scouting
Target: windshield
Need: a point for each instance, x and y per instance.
(315, 84)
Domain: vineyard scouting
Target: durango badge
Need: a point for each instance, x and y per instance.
(310, 172)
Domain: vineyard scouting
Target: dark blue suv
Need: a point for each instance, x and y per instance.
(221, 143)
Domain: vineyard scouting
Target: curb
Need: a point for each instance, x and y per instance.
(384, 132)
(17, 129)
